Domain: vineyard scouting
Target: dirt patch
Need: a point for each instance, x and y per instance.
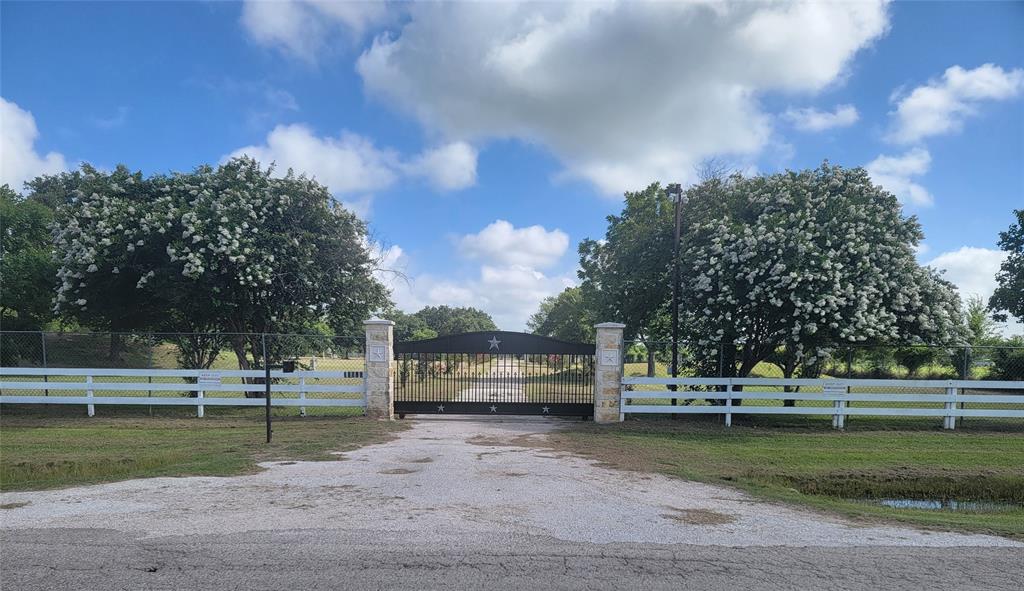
(397, 471)
(426, 460)
(286, 463)
(13, 505)
(514, 474)
(698, 516)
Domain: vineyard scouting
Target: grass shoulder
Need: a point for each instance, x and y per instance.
(42, 451)
(838, 472)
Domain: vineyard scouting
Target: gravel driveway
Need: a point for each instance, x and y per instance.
(452, 504)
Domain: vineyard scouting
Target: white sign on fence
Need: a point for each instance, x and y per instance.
(209, 378)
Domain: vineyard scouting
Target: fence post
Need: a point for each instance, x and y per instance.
(42, 339)
(950, 420)
(200, 410)
(838, 406)
(302, 391)
(90, 408)
(608, 374)
(380, 381)
(728, 404)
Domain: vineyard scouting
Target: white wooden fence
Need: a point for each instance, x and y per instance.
(62, 385)
(958, 398)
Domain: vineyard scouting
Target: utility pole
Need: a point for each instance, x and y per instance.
(675, 193)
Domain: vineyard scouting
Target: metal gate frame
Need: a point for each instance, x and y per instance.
(562, 384)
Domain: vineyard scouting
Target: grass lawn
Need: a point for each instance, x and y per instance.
(790, 460)
(56, 448)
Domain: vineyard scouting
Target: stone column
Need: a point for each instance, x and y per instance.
(380, 381)
(608, 373)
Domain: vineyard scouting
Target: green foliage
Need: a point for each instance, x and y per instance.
(913, 358)
(1008, 298)
(409, 327)
(1008, 360)
(445, 320)
(231, 249)
(626, 276)
(27, 269)
(981, 327)
(564, 316)
(809, 260)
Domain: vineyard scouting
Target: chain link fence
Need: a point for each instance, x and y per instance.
(341, 355)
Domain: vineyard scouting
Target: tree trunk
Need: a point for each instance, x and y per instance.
(116, 346)
(651, 367)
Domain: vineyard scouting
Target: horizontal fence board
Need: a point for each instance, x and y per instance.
(866, 383)
(172, 373)
(148, 400)
(823, 410)
(183, 387)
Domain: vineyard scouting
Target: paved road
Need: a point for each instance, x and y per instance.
(452, 505)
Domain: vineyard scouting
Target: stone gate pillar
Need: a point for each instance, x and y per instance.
(380, 381)
(608, 372)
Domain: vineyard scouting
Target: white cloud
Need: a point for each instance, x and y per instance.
(504, 244)
(449, 167)
(347, 164)
(811, 119)
(895, 174)
(19, 161)
(622, 93)
(942, 105)
(301, 27)
(973, 270)
(351, 165)
(508, 287)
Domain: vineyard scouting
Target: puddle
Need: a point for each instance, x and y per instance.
(951, 505)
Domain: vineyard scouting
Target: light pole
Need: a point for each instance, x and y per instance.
(675, 192)
(287, 366)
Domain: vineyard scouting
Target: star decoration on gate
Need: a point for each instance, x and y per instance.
(494, 342)
(440, 408)
(494, 408)
(546, 410)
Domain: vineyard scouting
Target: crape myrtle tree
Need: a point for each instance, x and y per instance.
(627, 275)
(230, 249)
(1008, 298)
(804, 262)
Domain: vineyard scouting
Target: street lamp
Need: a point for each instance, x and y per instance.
(675, 192)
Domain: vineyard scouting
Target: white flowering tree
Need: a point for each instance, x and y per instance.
(802, 263)
(230, 249)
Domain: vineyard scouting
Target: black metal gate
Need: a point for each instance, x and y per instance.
(494, 373)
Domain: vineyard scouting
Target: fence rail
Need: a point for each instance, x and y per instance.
(191, 385)
(948, 399)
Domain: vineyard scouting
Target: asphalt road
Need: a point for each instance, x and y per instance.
(451, 505)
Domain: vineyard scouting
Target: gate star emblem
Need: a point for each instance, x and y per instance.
(440, 408)
(546, 410)
(494, 343)
(494, 408)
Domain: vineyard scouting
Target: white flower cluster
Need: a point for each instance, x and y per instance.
(817, 258)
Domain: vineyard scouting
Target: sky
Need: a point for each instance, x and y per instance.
(482, 141)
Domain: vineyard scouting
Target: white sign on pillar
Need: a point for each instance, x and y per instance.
(608, 357)
(378, 353)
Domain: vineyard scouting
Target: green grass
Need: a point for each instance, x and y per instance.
(782, 459)
(52, 449)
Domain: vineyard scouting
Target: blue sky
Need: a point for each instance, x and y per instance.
(482, 143)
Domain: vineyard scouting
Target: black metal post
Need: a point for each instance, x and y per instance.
(676, 193)
(266, 383)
